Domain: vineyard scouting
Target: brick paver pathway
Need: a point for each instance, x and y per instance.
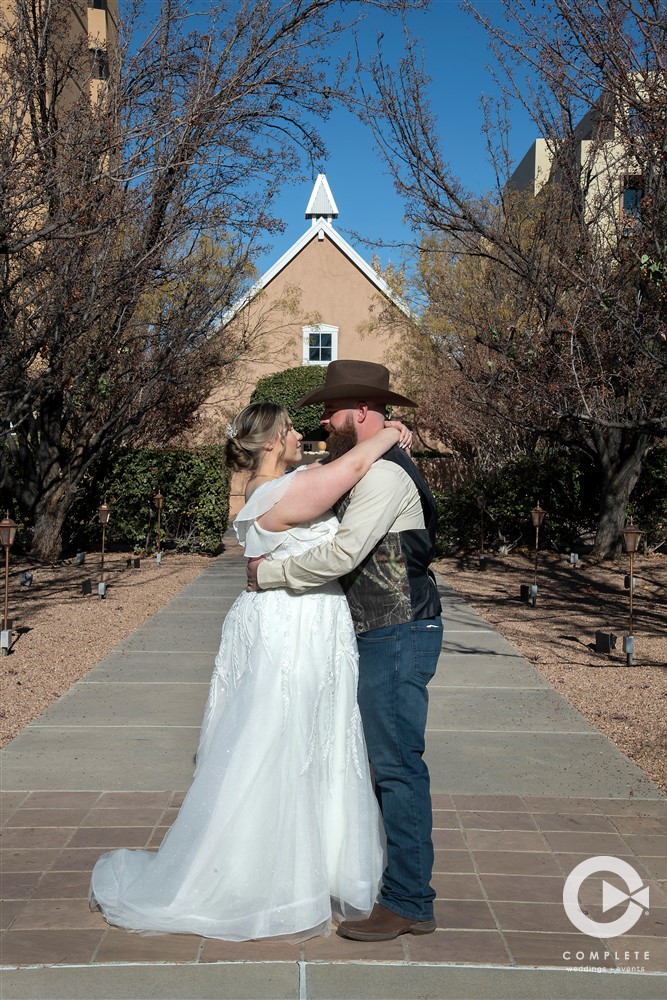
(500, 864)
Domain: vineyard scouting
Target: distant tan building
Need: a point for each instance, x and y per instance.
(90, 25)
(534, 170)
(321, 301)
(101, 23)
(611, 178)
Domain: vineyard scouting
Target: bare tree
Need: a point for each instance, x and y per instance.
(562, 333)
(129, 212)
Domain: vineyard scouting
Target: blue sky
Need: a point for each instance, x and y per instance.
(457, 58)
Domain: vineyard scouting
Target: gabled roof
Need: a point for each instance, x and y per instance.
(321, 210)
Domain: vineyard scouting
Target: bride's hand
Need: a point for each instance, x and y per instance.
(405, 440)
(251, 573)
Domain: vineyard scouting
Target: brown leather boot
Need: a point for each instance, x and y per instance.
(383, 925)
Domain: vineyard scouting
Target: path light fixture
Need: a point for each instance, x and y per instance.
(103, 512)
(158, 500)
(631, 535)
(481, 503)
(536, 516)
(7, 535)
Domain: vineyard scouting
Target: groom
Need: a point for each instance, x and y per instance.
(381, 555)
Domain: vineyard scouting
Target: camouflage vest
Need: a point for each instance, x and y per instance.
(393, 584)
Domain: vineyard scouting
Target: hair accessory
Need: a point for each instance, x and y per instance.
(231, 431)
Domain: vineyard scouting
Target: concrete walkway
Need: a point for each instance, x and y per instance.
(523, 788)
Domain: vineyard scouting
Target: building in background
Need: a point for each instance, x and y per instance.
(610, 177)
(321, 301)
(101, 24)
(89, 30)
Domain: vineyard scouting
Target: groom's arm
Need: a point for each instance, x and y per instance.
(382, 498)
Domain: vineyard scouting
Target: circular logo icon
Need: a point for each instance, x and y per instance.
(636, 897)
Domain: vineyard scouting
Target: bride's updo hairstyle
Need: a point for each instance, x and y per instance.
(250, 430)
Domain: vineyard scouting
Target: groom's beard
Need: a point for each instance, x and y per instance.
(341, 441)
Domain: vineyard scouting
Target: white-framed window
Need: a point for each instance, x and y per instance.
(320, 344)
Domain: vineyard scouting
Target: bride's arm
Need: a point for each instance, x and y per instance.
(310, 496)
(404, 441)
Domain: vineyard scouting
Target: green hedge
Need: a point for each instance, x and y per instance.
(553, 476)
(287, 387)
(567, 487)
(195, 486)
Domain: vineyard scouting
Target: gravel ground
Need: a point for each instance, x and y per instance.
(627, 704)
(62, 634)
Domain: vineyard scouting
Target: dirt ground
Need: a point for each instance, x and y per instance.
(627, 704)
(62, 633)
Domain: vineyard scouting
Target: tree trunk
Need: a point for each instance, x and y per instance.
(49, 520)
(619, 460)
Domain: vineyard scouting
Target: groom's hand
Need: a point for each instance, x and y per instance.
(251, 573)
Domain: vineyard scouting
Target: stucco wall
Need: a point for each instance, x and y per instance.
(320, 284)
(534, 169)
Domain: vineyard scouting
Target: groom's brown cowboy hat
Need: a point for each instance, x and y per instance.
(363, 380)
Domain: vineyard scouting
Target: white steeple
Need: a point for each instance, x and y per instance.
(321, 204)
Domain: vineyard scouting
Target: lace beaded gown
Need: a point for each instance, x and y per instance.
(280, 829)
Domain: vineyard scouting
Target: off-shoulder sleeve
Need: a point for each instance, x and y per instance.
(258, 541)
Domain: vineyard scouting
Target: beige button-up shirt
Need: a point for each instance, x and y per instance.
(385, 500)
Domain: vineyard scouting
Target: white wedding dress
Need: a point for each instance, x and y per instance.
(280, 829)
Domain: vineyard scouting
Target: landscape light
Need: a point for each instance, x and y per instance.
(7, 535)
(158, 500)
(537, 517)
(631, 534)
(103, 512)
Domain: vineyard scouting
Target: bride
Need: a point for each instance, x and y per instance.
(280, 830)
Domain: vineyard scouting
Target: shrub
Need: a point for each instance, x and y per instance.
(287, 387)
(558, 478)
(195, 485)
(648, 503)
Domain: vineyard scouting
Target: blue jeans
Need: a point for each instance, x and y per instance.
(395, 665)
